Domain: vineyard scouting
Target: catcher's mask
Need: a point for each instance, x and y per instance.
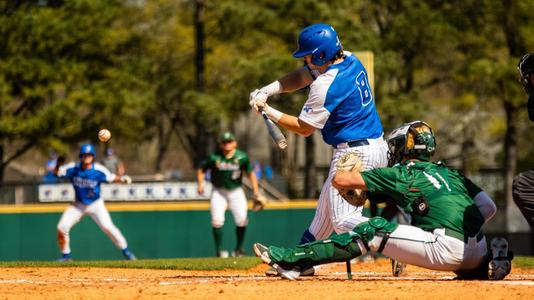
(413, 140)
(525, 67)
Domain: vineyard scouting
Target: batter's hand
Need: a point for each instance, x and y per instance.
(258, 98)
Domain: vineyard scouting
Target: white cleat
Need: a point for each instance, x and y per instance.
(306, 272)
(262, 252)
(500, 265)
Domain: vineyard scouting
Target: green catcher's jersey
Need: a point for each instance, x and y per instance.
(226, 173)
(448, 193)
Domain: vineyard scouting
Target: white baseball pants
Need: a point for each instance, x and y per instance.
(221, 199)
(432, 250)
(333, 213)
(98, 212)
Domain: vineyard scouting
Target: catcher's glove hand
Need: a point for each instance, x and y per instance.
(351, 161)
(258, 202)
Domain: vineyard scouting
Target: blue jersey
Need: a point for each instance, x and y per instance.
(87, 182)
(341, 104)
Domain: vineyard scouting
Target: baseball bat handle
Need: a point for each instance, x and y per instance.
(275, 133)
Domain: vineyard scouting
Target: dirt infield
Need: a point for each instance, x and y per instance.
(370, 281)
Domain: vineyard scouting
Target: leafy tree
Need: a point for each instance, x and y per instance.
(65, 70)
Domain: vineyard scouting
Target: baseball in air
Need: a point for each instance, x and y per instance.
(104, 135)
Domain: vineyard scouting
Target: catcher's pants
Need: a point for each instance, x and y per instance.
(432, 250)
(222, 198)
(98, 212)
(333, 213)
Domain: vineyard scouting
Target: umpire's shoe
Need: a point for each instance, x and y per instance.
(262, 252)
(501, 262)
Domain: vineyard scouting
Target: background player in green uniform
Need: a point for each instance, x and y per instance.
(447, 211)
(227, 166)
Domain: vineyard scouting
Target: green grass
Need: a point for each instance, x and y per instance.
(209, 263)
(526, 262)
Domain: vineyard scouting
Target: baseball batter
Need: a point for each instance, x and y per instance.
(340, 104)
(86, 177)
(226, 167)
(447, 210)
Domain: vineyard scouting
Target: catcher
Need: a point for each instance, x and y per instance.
(447, 210)
(227, 166)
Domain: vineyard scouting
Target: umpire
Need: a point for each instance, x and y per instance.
(523, 184)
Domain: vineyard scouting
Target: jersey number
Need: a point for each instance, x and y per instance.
(364, 88)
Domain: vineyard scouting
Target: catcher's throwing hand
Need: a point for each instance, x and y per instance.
(258, 202)
(351, 161)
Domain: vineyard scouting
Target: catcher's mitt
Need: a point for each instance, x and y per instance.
(351, 161)
(258, 202)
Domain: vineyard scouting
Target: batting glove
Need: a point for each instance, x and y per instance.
(258, 99)
(126, 179)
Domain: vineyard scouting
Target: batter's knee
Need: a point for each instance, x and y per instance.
(62, 229)
(342, 225)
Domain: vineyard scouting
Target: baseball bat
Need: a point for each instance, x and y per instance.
(275, 133)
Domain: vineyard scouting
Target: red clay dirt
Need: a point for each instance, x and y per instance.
(370, 281)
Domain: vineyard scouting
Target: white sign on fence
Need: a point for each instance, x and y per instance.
(161, 191)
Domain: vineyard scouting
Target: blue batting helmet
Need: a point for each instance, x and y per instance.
(87, 149)
(320, 41)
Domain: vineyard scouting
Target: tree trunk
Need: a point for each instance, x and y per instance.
(2, 165)
(310, 170)
(202, 138)
(199, 43)
(164, 139)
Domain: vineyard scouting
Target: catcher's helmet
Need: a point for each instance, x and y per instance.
(320, 41)
(525, 67)
(414, 139)
(87, 149)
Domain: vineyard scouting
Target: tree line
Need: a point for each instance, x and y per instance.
(166, 69)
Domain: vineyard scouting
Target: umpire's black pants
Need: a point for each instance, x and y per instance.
(523, 193)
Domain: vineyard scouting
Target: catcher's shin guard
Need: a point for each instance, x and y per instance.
(338, 248)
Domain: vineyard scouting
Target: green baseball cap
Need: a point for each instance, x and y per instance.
(226, 136)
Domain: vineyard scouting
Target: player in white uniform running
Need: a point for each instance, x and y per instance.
(340, 104)
(86, 177)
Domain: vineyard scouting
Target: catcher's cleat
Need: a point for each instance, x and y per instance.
(501, 263)
(262, 252)
(306, 272)
(271, 272)
(397, 268)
